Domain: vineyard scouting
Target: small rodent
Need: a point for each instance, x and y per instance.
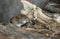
(19, 20)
